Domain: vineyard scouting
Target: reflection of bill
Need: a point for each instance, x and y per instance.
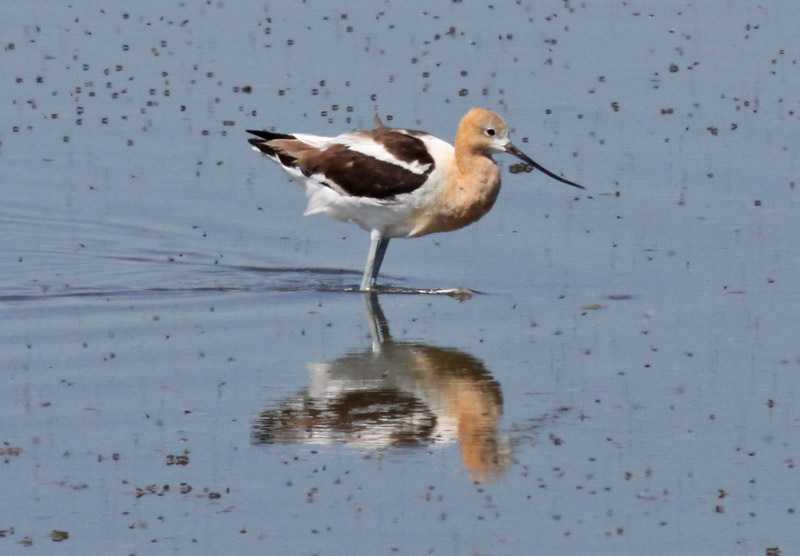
(396, 394)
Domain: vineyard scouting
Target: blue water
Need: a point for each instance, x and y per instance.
(184, 372)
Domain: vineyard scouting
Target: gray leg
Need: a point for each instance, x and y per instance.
(377, 250)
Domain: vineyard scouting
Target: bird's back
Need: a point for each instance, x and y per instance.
(376, 178)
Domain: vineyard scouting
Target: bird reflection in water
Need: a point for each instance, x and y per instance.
(396, 394)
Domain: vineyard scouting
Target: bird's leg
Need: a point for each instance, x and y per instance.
(384, 243)
(377, 250)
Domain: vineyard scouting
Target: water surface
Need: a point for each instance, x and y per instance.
(186, 371)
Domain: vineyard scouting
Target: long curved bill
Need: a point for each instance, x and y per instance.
(511, 149)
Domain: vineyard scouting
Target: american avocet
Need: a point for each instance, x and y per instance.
(398, 182)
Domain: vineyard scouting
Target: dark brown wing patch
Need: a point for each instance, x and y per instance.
(263, 144)
(361, 175)
(349, 170)
(403, 146)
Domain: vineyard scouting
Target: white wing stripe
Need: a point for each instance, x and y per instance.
(371, 148)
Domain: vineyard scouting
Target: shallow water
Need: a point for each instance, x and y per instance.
(185, 368)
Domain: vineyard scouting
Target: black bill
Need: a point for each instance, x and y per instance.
(511, 149)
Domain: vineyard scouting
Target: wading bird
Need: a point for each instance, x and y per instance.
(397, 182)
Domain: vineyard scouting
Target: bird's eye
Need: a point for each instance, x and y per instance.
(490, 132)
